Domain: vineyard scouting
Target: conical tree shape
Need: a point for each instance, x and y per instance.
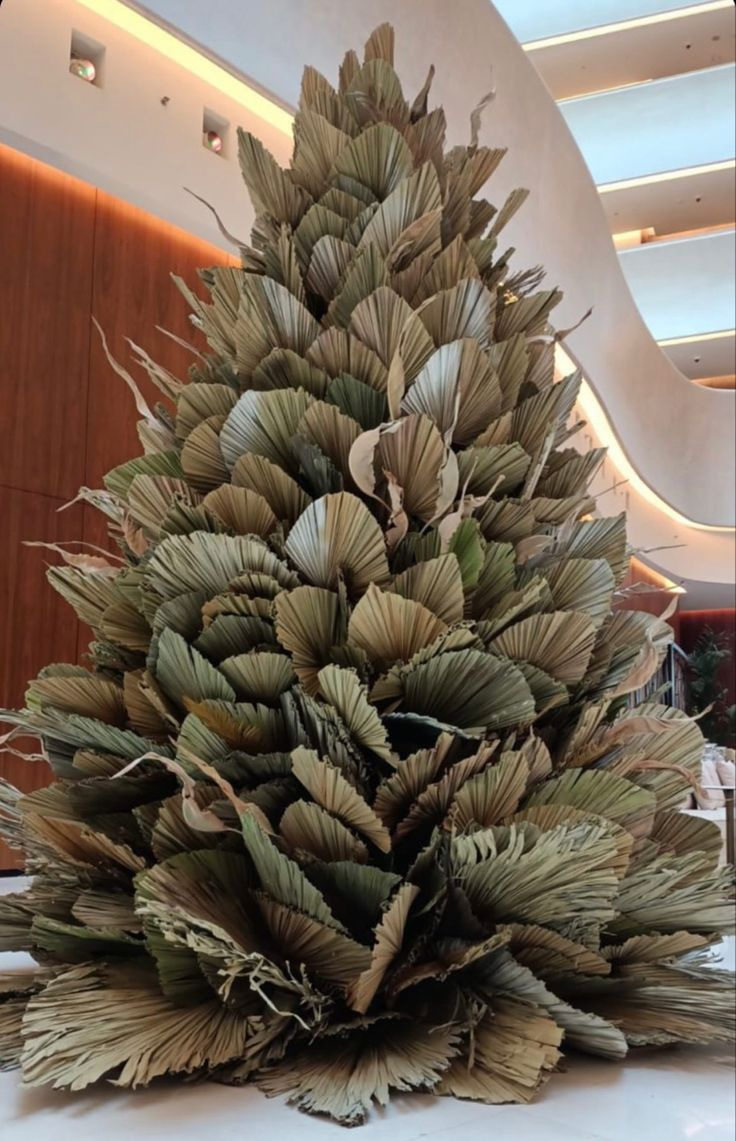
(349, 800)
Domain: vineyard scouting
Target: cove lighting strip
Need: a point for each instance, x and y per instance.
(696, 338)
(626, 25)
(193, 61)
(603, 91)
(599, 422)
(638, 566)
(666, 176)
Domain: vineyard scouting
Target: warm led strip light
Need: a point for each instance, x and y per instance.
(696, 338)
(156, 37)
(639, 567)
(603, 91)
(667, 176)
(625, 25)
(598, 420)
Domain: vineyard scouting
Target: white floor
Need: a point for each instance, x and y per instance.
(659, 1096)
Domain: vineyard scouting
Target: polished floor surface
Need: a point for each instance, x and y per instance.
(669, 1095)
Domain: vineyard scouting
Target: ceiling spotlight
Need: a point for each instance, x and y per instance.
(83, 69)
(212, 141)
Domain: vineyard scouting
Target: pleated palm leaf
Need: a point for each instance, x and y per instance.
(349, 800)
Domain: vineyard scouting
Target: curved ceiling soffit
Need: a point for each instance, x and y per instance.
(676, 437)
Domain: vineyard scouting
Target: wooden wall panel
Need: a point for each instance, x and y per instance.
(135, 255)
(46, 238)
(70, 252)
(134, 297)
(36, 625)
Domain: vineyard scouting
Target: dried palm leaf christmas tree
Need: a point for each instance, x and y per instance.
(349, 799)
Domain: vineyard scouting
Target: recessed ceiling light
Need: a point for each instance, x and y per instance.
(83, 69)
(212, 141)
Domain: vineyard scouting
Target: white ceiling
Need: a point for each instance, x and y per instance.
(538, 19)
(635, 55)
(644, 100)
(671, 207)
(698, 359)
(269, 42)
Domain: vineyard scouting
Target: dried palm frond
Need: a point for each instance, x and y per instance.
(342, 804)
